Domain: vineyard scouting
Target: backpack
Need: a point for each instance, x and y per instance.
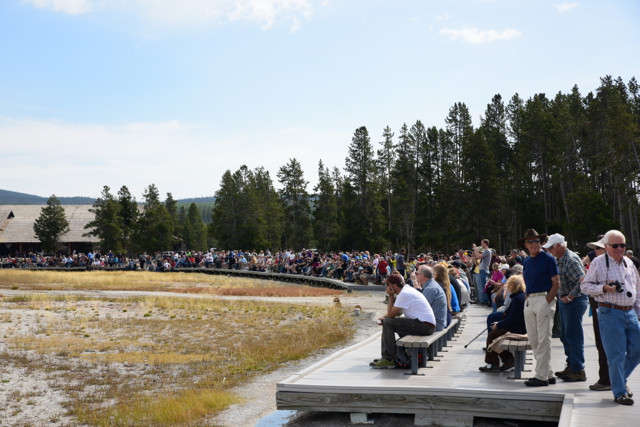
(403, 358)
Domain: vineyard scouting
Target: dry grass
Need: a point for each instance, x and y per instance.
(150, 281)
(159, 361)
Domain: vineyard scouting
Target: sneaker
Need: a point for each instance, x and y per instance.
(599, 387)
(629, 392)
(624, 400)
(565, 371)
(383, 364)
(574, 376)
(492, 368)
(535, 382)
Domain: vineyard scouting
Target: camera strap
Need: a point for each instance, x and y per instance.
(606, 258)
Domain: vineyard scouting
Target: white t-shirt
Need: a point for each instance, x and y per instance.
(414, 305)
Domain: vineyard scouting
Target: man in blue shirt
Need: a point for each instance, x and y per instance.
(433, 292)
(542, 282)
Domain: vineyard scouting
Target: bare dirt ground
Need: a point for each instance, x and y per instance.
(26, 398)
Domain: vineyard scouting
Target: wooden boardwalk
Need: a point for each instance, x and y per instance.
(452, 390)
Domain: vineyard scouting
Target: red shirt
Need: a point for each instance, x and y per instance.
(382, 266)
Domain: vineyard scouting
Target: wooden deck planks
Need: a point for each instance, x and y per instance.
(455, 378)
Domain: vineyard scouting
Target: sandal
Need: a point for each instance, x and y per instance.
(624, 400)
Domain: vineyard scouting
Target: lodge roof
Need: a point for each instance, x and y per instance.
(16, 223)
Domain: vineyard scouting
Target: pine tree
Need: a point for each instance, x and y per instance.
(51, 225)
(325, 213)
(172, 209)
(106, 222)
(154, 231)
(386, 160)
(197, 231)
(268, 209)
(128, 217)
(365, 227)
(227, 211)
(295, 200)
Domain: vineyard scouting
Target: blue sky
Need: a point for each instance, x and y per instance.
(175, 92)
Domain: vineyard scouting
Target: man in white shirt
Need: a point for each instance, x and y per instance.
(418, 319)
(613, 281)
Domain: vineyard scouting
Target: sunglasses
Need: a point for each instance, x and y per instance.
(533, 241)
(616, 245)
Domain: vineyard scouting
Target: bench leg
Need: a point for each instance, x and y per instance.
(519, 364)
(414, 361)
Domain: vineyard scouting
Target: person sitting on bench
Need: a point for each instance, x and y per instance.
(513, 321)
(418, 319)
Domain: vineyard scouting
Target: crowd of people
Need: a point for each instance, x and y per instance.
(533, 290)
(556, 287)
(540, 287)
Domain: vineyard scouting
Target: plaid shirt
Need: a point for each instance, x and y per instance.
(571, 272)
(624, 271)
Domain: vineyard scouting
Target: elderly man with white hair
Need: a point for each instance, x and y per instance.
(614, 282)
(572, 306)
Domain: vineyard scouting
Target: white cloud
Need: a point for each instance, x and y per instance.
(265, 12)
(563, 7)
(474, 36)
(187, 13)
(444, 17)
(71, 7)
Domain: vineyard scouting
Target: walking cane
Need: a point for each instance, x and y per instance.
(481, 332)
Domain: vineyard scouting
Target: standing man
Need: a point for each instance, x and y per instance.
(418, 319)
(541, 279)
(434, 294)
(573, 303)
(483, 272)
(614, 283)
(400, 262)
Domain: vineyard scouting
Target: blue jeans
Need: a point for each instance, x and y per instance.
(571, 333)
(481, 280)
(620, 334)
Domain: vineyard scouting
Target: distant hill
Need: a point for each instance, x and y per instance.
(196, 200)
(14, 198)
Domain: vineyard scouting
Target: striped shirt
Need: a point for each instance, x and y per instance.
(570, 271)
(624, 272)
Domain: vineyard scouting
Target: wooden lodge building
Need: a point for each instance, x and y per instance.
(17, 236)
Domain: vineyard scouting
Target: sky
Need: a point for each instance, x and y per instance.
(176, 92)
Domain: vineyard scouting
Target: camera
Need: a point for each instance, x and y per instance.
(620, 288)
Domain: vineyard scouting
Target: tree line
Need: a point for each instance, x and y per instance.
(567, 164)
(123, 227)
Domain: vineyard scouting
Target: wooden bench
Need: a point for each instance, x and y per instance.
(519, 349)
(427, 345)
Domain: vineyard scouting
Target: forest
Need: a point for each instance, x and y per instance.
(563, 164)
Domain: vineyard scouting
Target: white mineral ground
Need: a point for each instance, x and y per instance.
(44, 405)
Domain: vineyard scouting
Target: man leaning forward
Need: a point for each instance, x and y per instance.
(418, 319)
